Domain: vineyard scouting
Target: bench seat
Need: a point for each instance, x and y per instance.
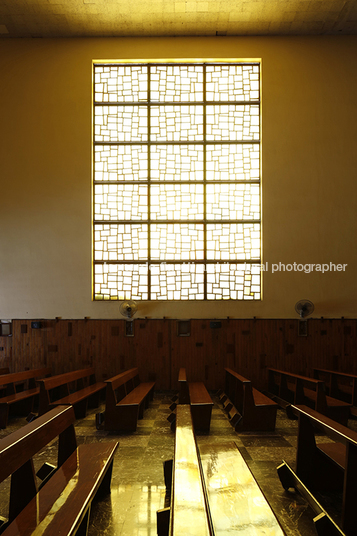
(340, 385)
(8, 400)
(235, 499)
(139, 396)
(260, 399)
(79, 399)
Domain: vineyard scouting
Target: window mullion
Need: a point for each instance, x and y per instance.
(204, 184)
(149, 179)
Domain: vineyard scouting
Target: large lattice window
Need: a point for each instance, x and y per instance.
(176, 181)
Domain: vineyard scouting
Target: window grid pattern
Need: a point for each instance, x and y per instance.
(176, 185)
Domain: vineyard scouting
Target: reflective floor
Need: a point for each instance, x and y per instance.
(138, 489)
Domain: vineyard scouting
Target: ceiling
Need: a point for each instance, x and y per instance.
(156, 18)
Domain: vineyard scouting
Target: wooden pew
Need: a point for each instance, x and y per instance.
(237, 504)
(212, 491)
(188, 514)
(339, 385)
(324, 467)
(21, 402)
(126, 400)
(201, 406)
(62, 504)
(57, 391)
(247, 408)
(195, 394)
(289, 388)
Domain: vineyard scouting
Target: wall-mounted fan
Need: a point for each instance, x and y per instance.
(304, 308)
(128, 308)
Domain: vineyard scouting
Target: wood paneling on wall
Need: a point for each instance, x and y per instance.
(248, 346)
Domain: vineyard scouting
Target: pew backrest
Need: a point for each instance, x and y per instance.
(334, 430)
(123, 378)
(339, 384)
(301, 388)
(57, 388)
(17, 451)
(239, 390)
(120, 385)
(11, 379)
(20, 446)
(68, 377)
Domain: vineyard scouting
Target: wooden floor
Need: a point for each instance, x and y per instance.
(138, 489)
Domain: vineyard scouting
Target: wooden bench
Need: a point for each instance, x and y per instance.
(247, 408)
(211, 490)
(61, 505)
(126, 400)
(78, 388)
(324, 467)
(289, 388)
(339, 385)
(195, 394)
(21, 402)
(188, 512)
(201, 406)
(236, 502)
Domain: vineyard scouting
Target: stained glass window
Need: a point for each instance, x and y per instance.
(176, 181)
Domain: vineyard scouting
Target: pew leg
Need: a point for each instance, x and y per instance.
(163, 522)
(22, 489)
(67, 444)
(168, 468)
(201, 416)
(285, 476)
(104, 488)
(83, 527)
(80, 409)
(4, 414)
(313, 467)
(350, 491)
(94, 400)
(141, 410)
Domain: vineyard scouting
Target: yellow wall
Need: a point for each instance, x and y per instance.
(309, 162)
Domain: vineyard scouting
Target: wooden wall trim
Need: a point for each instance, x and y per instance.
(249, 346)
